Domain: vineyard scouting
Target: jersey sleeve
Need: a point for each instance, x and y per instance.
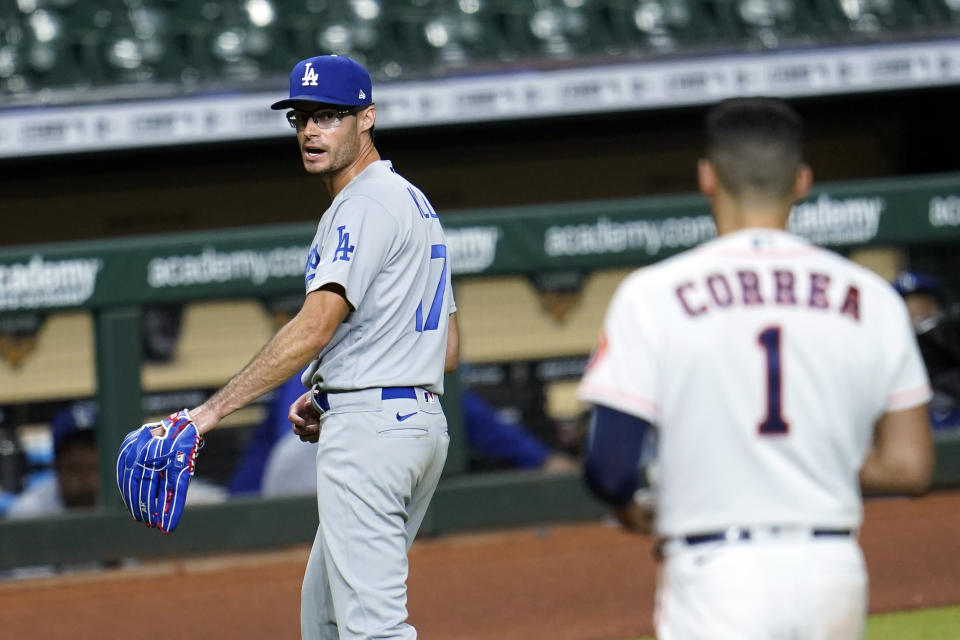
(353, 250)
(908, 384)
(448, 292)
(620, 374)
(614, 449)
(453, 303)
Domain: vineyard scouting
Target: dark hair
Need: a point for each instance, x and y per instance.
(84, 438)
(755, 145)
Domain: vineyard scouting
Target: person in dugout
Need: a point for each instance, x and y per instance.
(938, 334)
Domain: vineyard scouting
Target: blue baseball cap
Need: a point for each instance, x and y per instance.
(77, 418)
(334, 80)
(908, 282)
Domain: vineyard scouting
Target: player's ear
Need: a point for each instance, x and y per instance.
(367, 118)
(707, 178)
(802, 182)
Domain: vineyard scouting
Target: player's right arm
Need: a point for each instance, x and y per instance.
(901, 458)
(612, 465)
(620, 383)
(289, 351)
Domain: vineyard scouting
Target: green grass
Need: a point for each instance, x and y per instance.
(925, 624)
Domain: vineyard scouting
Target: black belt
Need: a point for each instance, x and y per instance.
(744, 534)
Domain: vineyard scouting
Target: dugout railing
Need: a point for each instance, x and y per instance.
(114, 278)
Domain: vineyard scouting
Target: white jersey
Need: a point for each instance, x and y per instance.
(764, 362)
(381, 240)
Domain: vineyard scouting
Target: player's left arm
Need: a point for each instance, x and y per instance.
(901, 459)
(452, 358)
(612, 465)
(287, 353)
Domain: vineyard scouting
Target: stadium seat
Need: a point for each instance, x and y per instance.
(770, 24)
(78, 44)
(223, 42)
(511, 22)
(441, 33)
(947, 10)
(311, 27)
(478, 32)
(561, 29)
(405, 41)
(646, 26)
(48, 53)
(12, 65)
(297, 24)
(872, 18)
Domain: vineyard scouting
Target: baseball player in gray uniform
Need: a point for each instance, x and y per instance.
(377, 328)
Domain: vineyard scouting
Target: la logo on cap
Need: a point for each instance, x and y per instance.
(310, 76)
(362, 95)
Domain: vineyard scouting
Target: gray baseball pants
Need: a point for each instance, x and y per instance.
(378, 463)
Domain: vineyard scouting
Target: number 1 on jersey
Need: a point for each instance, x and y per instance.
(773, 423)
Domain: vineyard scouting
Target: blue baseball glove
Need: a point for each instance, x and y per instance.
(154, 471)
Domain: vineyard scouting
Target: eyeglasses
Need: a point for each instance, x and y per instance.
(326, 118)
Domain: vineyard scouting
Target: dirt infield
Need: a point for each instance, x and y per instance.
(581, 582)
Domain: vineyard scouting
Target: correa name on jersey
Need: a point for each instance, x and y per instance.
(779, 286)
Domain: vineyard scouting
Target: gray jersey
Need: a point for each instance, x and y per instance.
(381, 240)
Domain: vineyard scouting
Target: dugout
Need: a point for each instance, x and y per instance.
(878, 222)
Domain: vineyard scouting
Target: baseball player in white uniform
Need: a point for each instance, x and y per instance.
(776, 375)
(377, 330)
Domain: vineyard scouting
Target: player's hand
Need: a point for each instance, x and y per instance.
(635, 519)
(201, 417)
(204, 418)
(639, 514)
(559, 463)
(154, 470)
(305, 419)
